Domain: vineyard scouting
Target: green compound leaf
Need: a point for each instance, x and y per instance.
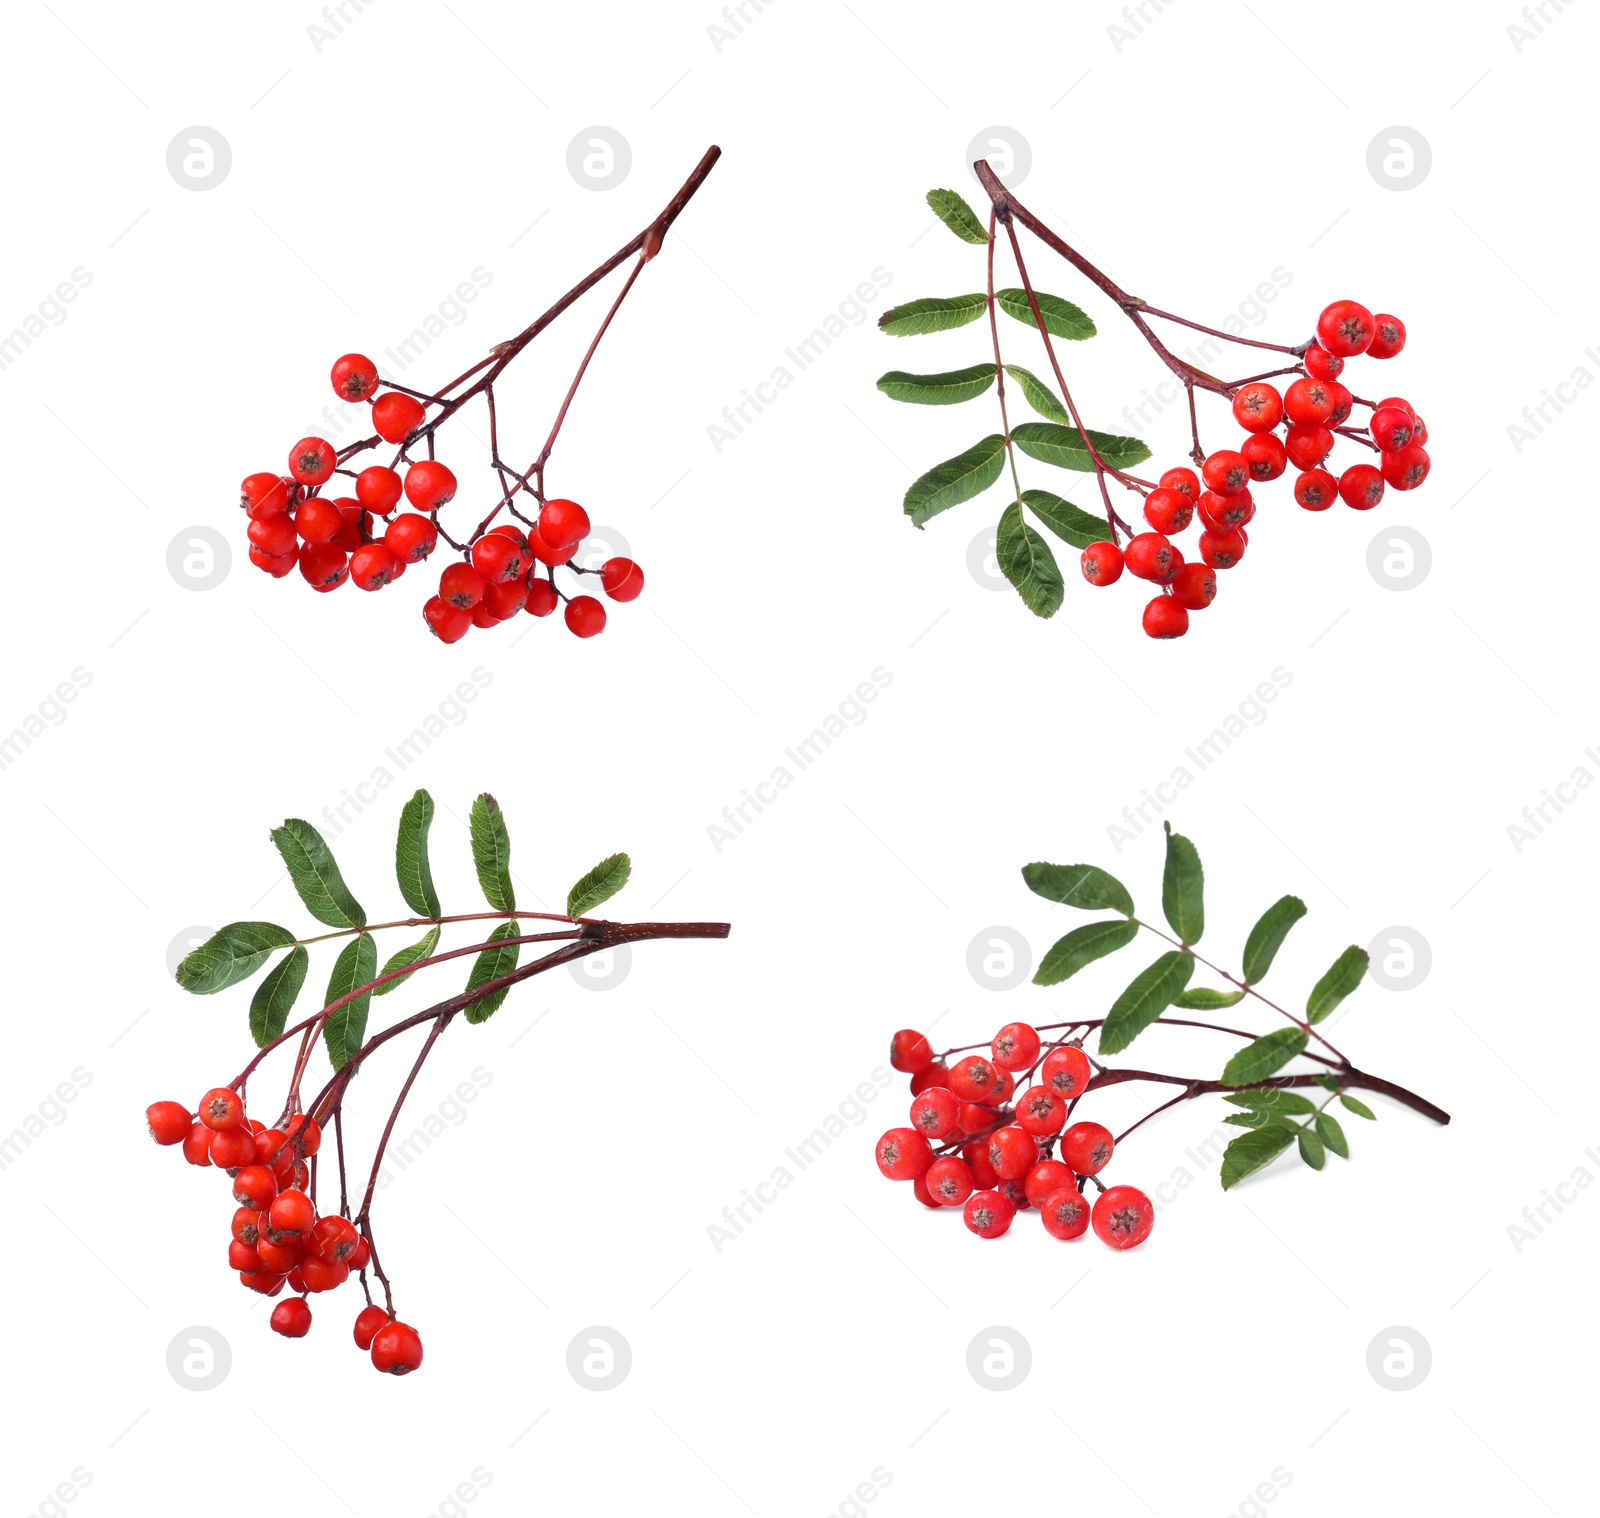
(938, 389)
(1331, 1134)
(1061, 317)
(315, 875)
(1063, 447)
(1026, 561)
(956, 480)
(1082, 946)
(407, 956)
(411, 856)
(1256, 1061)
(1078, 885)
(346, 1029)
(1274, 1100)
(600, 884)
(1267, 936)
(1345, 974)
(490, 965)
(1066, 521)
(1204, 999)
(1147, 997)
(274, 998)
(1183, 888)
(956, 214)
(1253, 1151)
(1039, 395)
(1356, 1105)
(932, 314)
(491, 853)
(1311, 1149)
(231, 954)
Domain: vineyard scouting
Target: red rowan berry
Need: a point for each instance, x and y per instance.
(1184, 481)
(1226, 472)
(935, 1074)
(395, 416)
(411, 538)
(1343, 403)
(1014, 1047)
(232, 1148)
(1408, 468)
(276, 565)
(903, 1154)
(976, 1154)
(334, 1239)
(292, 1318)
(545, 554)
(505, 598)
(1345, 328)
(354, 376)
(542, 598)
(1086, 1147)
(1392, 428)
(1257, 407)
(373, 565)
(1316, 489)
(973, 1078)
(1123, 1216)
(297, 1282)
(323, 566)
(318, 520)
(319, 1274)
(1320, 364)
(273, 535)
(1421, 434)
(281, 1258)
(1066, 1072)
(1065, 1214)
(1046, 1178)
(1395, 400)
(1194, 587)
(168, 1122)
(1266, 456)
(1165, 618)
(621, 579)
(1309, 445)
(396, 1349)
(1222, 550)
(496, 557)
(368, 1321)
(1102, 563)
(197, 1145)
(357, 527)
(305, 1136)
(268, 1282)
(988, 1213)
(362, 1256)
(1308, 402)
(1015, 1193)
(976, 1118)
(585, 616)
(379, 489)
(242, 1256)
(263, 495)
(1013, 1152)
(482, 616)
(1361, 486)
(1151, 557)
(935, 1113)
(1040, 1112)
(1389, 336)
(949, 1181)
(516, 534)
(311, 460)
(563, 524)
(429, 485)
(919, 1189)
(910, 1051)
(246, 1227)
(1168, 510)
(293, 1212)
(461, 585)
(254, 1186)
(1220, 512)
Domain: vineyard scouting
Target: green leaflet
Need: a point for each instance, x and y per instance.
(1183, 888)
(1147, 997)
(411, 856)
(1063, 447)
(346, 1029)
(1078, 885)
(1061, 317)
(956, 214)
(1253, 1151)
(316, 876)
(1066, 521)
(1039, 395)
(1267, 936)
(231, 954)
(1345, 974)
(1256, 1061)
(956, 480)
(938, 389)
(1356, 1105)
(1082, 946)
(491, 853)
(490, 965)
(599, 885)
(1026, 561)
(1311, 1150)
(1273, 1099)
(932, 314)
(274, 998)
(1204, 999)
(1331, 1134)
(409, 955)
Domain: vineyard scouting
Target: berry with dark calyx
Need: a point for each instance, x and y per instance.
(242, 1256)
(1257, 407)
(1392, 428)
(246, 1227)
(168, 1122)
(254, 1186)
(1015, 1193)
(1102, 563)
(1266, 456)
(1222, 550)
(988, 1213)
(936, 1074)
(1015, 1047)
(396, 416)
(396, 1349)
(1309, 445)
(232, 1148)
(949, 1181)
(1005, 1084)
(354, 377)
(379, 489)
(368, 1321)
(292, 1318)
(1408, 468)
(449, 624)
(373, 565)
(429, 485)
(461, 585)
(935, 1113)
(1343, 403)
(273, 535)
(545, 553)
(1151, 557)
(1165, 618)
(1308, 401)
(542, 598)
(1421, 434)
(1346, 328)
(1168, 510)
(311, 460)
(1361, 486)
(973, 1078)
(1220, 512)
(1086, 1147)
(294, 1212)
(411, 538)
(505, 598)
(1066, 1072)
(1389, 336)
(1065, 1213)
(1013, 1152)
(318, 520)
(1320, 364)
(910, 1051)
(334, 1239)
(1040, 1112)
(562, 524)
(1046, 1177)
(1316, 489)
(357, 527)
(1184, 481)
(497, 557)
(1123, 1216)
(264, 495)
(585, 617)
(903, 1154)
(197, 1144)
(621, 579)
(1194, 587)
(324, 566)
(1226, 472)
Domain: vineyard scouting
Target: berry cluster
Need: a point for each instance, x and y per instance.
(1312, 411)
(278, 1237)
(999, 1145)
(361, 538)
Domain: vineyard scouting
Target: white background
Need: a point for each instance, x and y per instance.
(1227, 1358)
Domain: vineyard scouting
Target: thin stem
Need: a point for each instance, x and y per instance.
(1248, 342)
(1000, 374)
(439, 1025)
(433, 922)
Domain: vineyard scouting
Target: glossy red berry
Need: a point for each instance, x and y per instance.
(242, 1256)
(1194, 587)
(268, 1282)
(482, 616)
(1309, 445)
(1184, 481)
(304, 1134)
(254, 1186)
(1392, 428)
(935, 1113)
(461, 585)
(1151, 557)
(1395, 400)
(988, 1213)
(1046, 1177)
(1226, 472)
(935, 1074)
(563, 524)
(276, 565)
(1015, 1047)
(379, 489)
(168, 1122)
(903, 1154)
(1086, 1147)
(274, 535)
(1065, 1072)
(1222, 550)
(354, 377)
(319, 1274)
(1316, 490)
(621, 579)
(949, 1181)
(1343, 403)
(324, 566)
(311, 461)
(368, 1321)
(449, 624)
(362, 1257)
(1220, 512)
(221, 1109)
(1168, 510)
(373, 565)
(1345, 328)
(1123, 1216)
(232, 1148)
(318, 520)
(1308, 401)
(283, 1252)
(264, 495)
(1102, 563)
(496, 557)
(429, 485)
(1013, 1152)
(1065, 1213)
(1040, 1112)
(396, 1349)
(293, 1211)
(1265, 455)
(505, 598)
(334, 1240)
(292, 1318)
(1389, 336)
(1165, 618)
(395, 416)
(411, 538)
(1005, 1083)
(246, 1228)
(1408, 468)
(546, 554)
(197, 1144)
(542, 598)
(1320, 364)
(1361, 486)
(585, 616)
(1257, 407)
(973, 1078)
(910, 1051)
